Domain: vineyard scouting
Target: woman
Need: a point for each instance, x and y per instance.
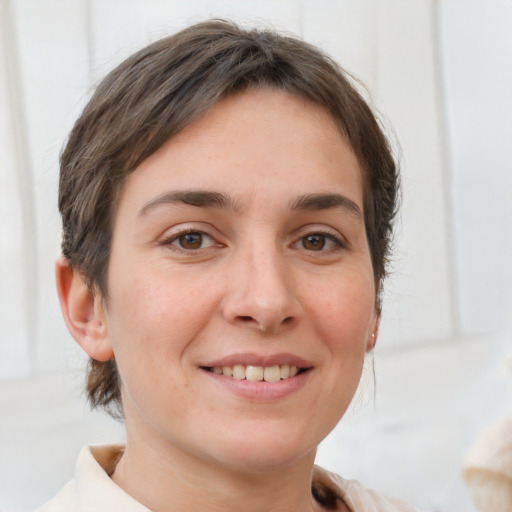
(227, 200)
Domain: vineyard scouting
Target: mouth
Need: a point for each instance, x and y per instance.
(273, 373)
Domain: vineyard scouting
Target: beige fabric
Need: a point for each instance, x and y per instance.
(488, 468)
(357, 497)
(92, 490)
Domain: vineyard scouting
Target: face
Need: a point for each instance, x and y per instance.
(239, 253)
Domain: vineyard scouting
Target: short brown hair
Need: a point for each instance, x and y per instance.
(162, 88)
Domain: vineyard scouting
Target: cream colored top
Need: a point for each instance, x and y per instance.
(488, 468)
(92, 490)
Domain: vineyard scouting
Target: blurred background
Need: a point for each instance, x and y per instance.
(440, 74)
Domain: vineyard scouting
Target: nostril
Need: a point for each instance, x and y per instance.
(248, 318)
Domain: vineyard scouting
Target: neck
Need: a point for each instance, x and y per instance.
(165, 479)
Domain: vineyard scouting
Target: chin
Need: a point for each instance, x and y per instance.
(258, 452)
(258, 462)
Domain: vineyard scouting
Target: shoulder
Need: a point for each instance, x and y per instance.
(354, 495)
(91, 489)
(65, 501)
(488, 467)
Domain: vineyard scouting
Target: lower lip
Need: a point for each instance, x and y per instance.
(262, 391)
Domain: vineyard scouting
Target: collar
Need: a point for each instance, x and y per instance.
(96, 490)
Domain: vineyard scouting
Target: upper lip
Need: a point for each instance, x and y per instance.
(252, 359)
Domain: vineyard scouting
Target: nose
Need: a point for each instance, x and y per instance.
(261, 292)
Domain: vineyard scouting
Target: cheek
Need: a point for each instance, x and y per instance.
(345, 307)
(155, 297)
(156, 315)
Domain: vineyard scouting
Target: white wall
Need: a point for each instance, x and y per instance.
(439, 72)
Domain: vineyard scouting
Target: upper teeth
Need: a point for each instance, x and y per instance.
(255, 373)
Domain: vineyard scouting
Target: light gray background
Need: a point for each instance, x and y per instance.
(440, 72)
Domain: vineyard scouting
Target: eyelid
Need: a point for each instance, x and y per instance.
(331, 234)
(204, 236)
(327, 231)
(172, 235)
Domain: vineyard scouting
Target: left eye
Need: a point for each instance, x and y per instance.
(192, 240)
(319, 242)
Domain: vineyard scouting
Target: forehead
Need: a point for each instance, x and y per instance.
(266, 139)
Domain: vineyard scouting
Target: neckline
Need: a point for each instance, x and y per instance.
(324, 491)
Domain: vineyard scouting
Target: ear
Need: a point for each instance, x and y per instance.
(83, 311)
(373, 332)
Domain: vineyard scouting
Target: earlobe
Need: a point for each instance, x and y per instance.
(83, 312)
(373, 332)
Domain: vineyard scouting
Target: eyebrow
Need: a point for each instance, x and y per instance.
(200, 198)
(326, 202)
(218, 200)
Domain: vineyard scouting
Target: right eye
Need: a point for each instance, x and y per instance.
(190, 241)
(314, 242)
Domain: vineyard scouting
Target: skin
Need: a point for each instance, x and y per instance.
(265, 274)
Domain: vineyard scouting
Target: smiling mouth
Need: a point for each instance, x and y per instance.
(257, 373)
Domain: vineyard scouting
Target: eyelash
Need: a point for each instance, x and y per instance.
(328, 237)
(175, 237)
(173, 243)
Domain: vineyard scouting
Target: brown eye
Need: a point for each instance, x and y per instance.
(191, 241)
(315, 242)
